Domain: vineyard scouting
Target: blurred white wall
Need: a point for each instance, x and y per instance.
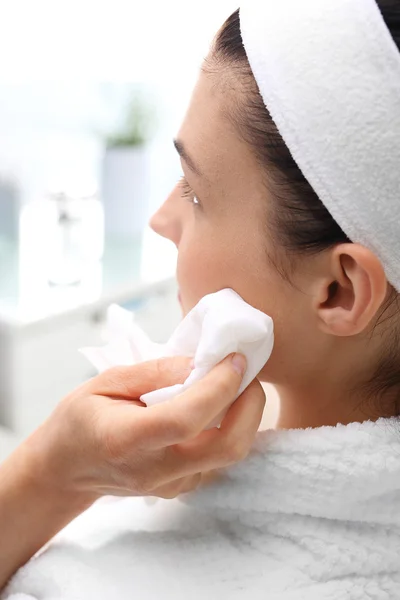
(63, 61)
(109, 39)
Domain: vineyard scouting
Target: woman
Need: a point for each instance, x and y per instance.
(312, 511)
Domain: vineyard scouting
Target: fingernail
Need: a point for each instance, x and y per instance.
(191, 365)
(239, 363)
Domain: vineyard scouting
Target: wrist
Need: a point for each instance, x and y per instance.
(45, 472)
(32, 509)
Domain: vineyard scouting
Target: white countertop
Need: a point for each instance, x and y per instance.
(129, 267)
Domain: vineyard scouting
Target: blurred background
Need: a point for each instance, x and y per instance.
(91, 95)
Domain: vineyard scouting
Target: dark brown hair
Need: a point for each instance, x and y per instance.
(299, 223)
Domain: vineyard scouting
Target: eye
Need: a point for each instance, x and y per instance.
(188, 193)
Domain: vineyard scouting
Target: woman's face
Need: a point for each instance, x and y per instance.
(219, 220)
(218, 216)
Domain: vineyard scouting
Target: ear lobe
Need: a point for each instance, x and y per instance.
(354, 293)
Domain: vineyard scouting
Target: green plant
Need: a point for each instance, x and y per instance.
(137, 126)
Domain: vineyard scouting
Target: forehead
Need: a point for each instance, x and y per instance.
(209, 133)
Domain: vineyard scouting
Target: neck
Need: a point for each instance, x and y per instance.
(320, 405)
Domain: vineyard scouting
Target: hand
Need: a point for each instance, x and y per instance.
(101, 440)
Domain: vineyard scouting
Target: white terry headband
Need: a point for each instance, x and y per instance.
(329, 74)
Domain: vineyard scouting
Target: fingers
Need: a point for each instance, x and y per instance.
(218, 448)
(131, 382)
(185, 484)
(186, 415)
(241, 423)
(180, 486)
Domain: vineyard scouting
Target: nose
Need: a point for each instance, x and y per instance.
(166, 221)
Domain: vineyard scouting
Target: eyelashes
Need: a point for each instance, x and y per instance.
(187, 192)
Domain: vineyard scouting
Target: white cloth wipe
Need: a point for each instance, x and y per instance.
(221, 323)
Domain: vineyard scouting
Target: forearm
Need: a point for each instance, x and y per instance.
(32, 510)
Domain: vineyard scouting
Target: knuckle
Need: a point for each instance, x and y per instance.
(181, 425)
(258, 392)
(144, 487)
(190, 427)
(162, 367)
(194, 482)
(172, 369)
(114, 373)
(224, 384)
(110, 445)
(143, 484)
(236, 451)
(180, 486)
(117, 377)
(159, 371)
(169, 494)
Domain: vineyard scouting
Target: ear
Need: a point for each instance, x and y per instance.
(349, 298)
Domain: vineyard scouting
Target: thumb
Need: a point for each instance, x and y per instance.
(133, 381)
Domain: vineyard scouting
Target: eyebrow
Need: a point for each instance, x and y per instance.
(181, 150)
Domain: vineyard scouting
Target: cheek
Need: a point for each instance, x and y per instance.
(202, 266)
(217, 253)
(208, 261)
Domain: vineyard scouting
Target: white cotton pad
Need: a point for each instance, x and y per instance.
(221, 323)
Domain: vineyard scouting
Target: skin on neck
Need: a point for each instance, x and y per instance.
(323, 317)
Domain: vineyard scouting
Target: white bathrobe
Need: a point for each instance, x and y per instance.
(311, 514)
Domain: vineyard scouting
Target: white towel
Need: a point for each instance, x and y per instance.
(221, 323)
(309, 515)
(329, 74)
